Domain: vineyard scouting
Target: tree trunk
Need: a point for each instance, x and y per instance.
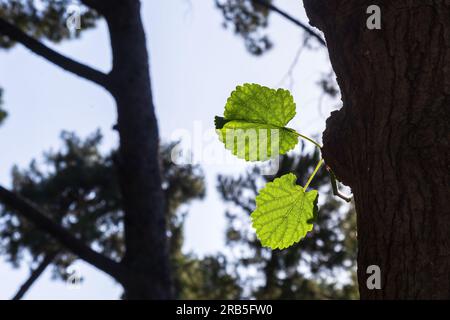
(139, 169)
(390, 140)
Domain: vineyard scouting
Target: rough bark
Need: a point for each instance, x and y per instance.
(139, 167)
(390, 140)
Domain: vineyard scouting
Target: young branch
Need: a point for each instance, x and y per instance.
(34, 275)
(297, 22)
(31, 212)
(334, 186)
(56, 58)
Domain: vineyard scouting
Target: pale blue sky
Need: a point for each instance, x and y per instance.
(195, 64)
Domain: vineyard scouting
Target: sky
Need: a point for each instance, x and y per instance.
(194, 63)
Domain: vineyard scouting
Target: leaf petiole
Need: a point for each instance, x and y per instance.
(313, 174)
(309, 139)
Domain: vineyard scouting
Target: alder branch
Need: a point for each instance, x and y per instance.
(297, 22)
(81, 70)
(30, 211)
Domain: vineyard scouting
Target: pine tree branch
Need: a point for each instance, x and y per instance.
(31, 212)
(34, 275)
(98, 5)
(297, 22)
(51, 55)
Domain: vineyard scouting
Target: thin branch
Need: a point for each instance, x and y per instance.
(34, 275)
(297, 22)
(98, 5)
(289, 73)
(56, 58)
(31, 212)
(335, 188)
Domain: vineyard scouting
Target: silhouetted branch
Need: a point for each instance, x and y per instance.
(35, 274)
(31, 212)
(98, 5)
(289, 73)
(56, 58)
(297, 22)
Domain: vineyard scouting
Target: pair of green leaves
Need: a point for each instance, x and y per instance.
(254, 128)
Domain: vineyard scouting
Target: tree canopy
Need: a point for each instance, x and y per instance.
(78, 186)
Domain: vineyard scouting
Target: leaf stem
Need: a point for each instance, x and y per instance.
(309, 139)
(313, 174)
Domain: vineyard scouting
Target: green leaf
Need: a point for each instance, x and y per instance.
(284, 212)
(253, 126)
(260, 104)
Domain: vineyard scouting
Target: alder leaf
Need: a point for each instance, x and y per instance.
(253, 126)
(284, 212)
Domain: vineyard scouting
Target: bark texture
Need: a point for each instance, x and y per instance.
(139, 167)
(390, 140)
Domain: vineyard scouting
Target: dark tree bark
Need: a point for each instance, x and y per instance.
(139, 166)
(390, 140)
(144, 272)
